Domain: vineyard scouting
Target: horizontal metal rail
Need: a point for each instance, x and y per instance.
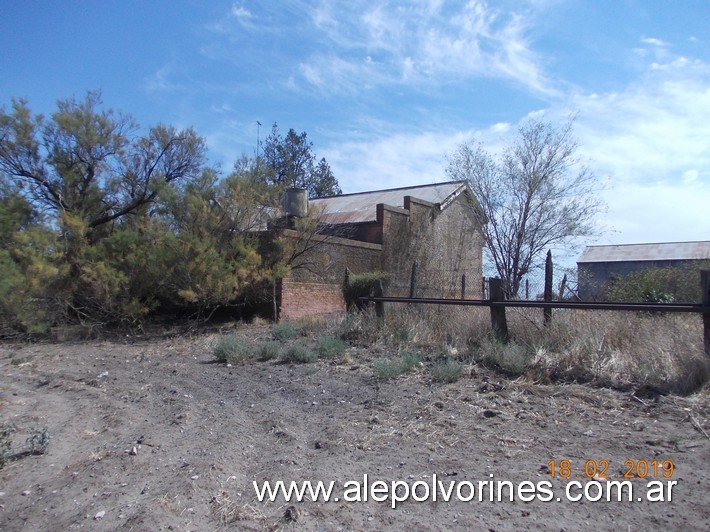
(642, 307)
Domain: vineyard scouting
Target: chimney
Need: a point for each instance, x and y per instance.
(295, 202)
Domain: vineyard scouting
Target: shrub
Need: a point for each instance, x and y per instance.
(38, 440)
(269, 350)
(330, 347)
(387, 368)
(446, 371)
(5, 443)
(299, 353)
(658, 285)
(412, 359)
(361, 285)
(510, 357)
(284, 331)
(230, 349)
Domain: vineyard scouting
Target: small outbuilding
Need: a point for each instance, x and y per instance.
(599, 264)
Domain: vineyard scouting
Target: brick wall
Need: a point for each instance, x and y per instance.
(300, 300)
(315, 286)
(328, 256)
(446, 244)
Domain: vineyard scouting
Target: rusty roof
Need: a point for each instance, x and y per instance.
(362, 206)
(647, 252)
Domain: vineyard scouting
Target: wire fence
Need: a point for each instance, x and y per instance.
(469, 284)
(493, 295)
(661, 286)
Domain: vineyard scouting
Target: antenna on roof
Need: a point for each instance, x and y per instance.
(258, 129)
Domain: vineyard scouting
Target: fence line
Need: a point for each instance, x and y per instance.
(497, 303)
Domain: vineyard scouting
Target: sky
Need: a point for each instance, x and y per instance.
(386, 90)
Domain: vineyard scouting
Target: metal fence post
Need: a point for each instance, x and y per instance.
(547, 312)
(379, 305)
(413, 281)
(705, 288)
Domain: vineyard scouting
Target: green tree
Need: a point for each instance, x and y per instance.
(537, 195)
(214, 244)
(289, 162)
(89, 163)
(29, 266)
(96, 180)
(104, 225)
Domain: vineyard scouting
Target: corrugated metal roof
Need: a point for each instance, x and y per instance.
(362, 206)
(647, 252)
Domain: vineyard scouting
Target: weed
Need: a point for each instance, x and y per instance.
(299, 353)
(231, 349)
(330, 347)
(388, 368)
(510, 357)
(394, 367)
(5, 443)
(38, 440)
(284, 331)
(446, 371)
(16, 359)
(269, 351)
(401, 335)
(412, 359)
(361, 328)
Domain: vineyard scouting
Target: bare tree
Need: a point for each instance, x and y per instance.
(536, 196)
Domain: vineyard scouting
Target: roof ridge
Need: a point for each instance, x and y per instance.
(650, 243)
(396, 189)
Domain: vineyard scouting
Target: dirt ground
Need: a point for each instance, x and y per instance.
(151, 434)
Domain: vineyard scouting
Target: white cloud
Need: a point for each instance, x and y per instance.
(403, 159)
(423, 43)
(393, 161)
(658, 212)
(240, 12)
(648, 132)
(651, 140)
(161, 80)
(653, 41)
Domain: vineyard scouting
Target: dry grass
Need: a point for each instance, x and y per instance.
(619, 349)
(644, 352)
(652, 353)
(228, 510)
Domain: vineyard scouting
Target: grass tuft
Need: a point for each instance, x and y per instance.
(269, 350)
(389, 368)
(446, 371)
(511, 357)
(330, 347)
(285, 331)
(6, 431)
(232, 350)
(299, 353)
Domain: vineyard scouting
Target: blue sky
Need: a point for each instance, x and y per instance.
(385, 90)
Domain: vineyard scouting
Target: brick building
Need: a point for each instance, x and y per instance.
(436, 225)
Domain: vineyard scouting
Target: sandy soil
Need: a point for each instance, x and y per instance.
(203, 432)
